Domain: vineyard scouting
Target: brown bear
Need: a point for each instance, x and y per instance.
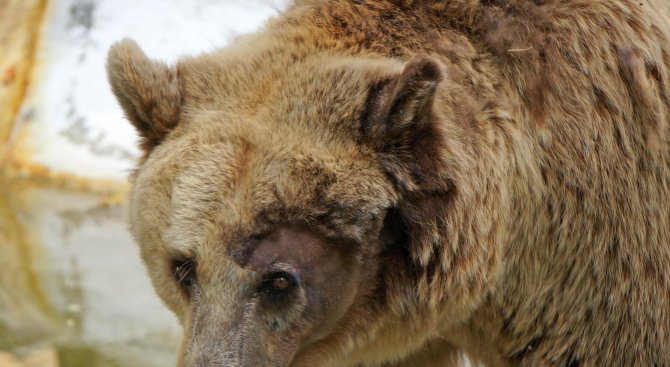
(400, 183)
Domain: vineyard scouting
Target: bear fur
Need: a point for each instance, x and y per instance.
(516, 152)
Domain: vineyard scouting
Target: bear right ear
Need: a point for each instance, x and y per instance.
(148, 92)
(401, 125)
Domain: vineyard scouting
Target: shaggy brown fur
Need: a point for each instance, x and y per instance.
(498, 170)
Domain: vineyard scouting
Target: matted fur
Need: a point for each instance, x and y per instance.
(521, 144)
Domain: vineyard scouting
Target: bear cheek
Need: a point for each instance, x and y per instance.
(329, 299)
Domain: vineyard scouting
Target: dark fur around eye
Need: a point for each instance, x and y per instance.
(184, 273)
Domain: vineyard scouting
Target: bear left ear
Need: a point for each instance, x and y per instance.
(400, 124)
(148, 92)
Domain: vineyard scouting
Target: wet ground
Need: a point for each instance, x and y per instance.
(73, 291)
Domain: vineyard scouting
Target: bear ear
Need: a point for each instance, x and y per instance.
(400, 124)
(148, 92)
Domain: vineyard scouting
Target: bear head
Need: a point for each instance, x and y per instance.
(281, 199)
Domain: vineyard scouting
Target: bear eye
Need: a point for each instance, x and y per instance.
(278, 282)
(184, 273)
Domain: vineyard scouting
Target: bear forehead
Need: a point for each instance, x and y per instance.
(220, 193)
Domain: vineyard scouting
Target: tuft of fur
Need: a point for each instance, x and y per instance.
(500, 168)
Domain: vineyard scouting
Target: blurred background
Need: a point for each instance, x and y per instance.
(72, 289)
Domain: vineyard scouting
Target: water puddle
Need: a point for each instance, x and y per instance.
(73, 291)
